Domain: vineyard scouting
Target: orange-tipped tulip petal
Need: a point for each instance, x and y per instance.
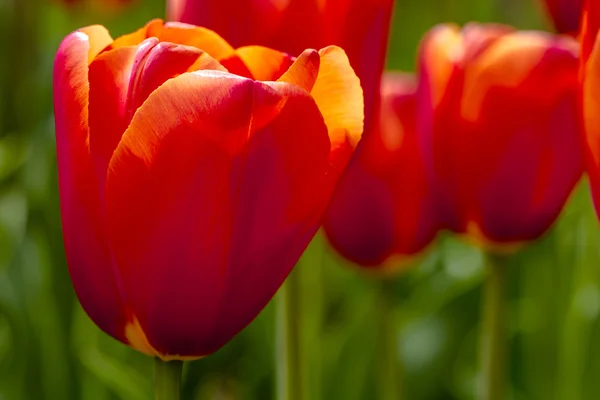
(189, 192)
(505, 130)
(383, 209)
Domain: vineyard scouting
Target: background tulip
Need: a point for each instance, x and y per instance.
(384, 204)
(505, 130)
(565, 14)
(189, 192)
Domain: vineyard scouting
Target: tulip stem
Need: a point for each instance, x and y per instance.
(493, 330)
(389, 373)
(290, 384)
(167, 379)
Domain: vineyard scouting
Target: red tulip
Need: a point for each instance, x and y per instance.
(192, 180)
(565, 14)
(360, 27)
(383, 207)
(505, 128)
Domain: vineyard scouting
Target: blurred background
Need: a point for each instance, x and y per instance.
(49, 349)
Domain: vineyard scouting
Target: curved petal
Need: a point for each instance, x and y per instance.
(339, 97)
(264, 64)
(285, 186)
(304, 71)
(88, 254)
(190, 226)
(163, 62)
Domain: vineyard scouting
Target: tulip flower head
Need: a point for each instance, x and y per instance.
(382, 214)
(504, 129)
(192, 176)
(565, 14)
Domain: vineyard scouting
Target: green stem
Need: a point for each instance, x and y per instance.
(167, 379)
(290, 385)
(388, 373)
(493, 330)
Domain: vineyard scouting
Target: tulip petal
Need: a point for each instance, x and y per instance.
(285, 186)
(523, 60)
(201, 194)
(264, 64)
(339, 96)
(88, 254)
(545, 154)
(165, 61)
(201, 38)
(304, 71)
(109, 77)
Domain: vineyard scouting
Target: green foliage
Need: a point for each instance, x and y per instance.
(49, 349)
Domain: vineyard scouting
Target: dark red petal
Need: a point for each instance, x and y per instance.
(88, 254)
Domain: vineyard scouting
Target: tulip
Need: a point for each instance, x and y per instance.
(360, 27)
(192, 176)
(565, 14)
(383, 208)
(505, 129)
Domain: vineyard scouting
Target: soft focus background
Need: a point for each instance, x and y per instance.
(49, 349)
